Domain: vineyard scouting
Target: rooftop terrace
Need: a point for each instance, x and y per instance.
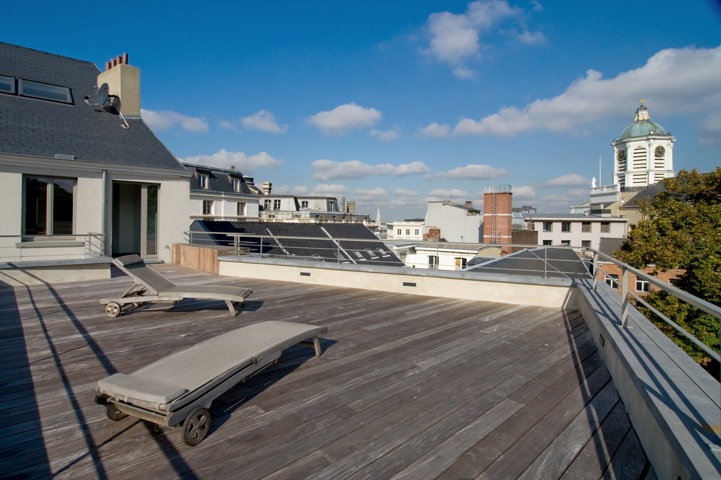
(407, 386)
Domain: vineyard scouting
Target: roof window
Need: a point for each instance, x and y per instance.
(7, 84)
(44, 91)
(40, 90)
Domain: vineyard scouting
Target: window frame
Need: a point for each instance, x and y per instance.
(547, 227)
(566, 227)
(208, 207)
(34, 89)
(50, 207)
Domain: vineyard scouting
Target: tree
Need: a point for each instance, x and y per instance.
(682, 229)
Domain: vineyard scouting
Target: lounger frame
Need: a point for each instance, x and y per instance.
(151, 286)
(177, 411)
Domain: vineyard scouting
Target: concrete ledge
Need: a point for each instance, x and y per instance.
(37, 272)
(515, 289)
(673, 404)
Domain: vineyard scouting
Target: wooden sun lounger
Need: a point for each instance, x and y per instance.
(150, 286)
(177, 390)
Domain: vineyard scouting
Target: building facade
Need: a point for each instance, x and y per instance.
(576, 230)
(81, 175)
(455, 222)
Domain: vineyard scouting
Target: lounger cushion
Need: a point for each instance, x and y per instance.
(137, 388)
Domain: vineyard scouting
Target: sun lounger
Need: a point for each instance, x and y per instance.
(150, 286)
(177, 390)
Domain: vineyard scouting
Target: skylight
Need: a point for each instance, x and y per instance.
(44, 91)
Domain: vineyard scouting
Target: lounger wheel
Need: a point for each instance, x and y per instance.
(113, 413)
(196, 426)
(112, 309)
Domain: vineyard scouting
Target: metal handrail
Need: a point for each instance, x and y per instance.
(699, 303)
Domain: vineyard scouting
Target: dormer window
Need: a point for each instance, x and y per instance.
(31, 89)
(203, 180)
(237, 184)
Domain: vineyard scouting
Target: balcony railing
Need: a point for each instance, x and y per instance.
(19, 248)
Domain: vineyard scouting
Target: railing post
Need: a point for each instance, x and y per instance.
(594, 267)
(545, 262)
(624, 294)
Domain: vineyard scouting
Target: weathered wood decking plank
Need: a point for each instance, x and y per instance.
(417, 387)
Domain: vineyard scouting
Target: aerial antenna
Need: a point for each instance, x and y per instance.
(109, 103)
(600, 181)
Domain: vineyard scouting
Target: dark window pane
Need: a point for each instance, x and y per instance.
(7, 84)
(36, 201)
(45, 91)
(63, 206)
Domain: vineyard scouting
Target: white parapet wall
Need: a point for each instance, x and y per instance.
(515, 289)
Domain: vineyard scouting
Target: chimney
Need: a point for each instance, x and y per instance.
(124, 82)
(267, 186)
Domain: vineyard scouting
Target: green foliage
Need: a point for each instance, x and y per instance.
(682, 229)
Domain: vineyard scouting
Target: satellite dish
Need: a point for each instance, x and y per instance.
(103, 92)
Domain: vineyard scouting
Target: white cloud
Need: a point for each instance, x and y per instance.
(570, 180)
(404, 192)
(456, 39)
(369, 195)
(446, 194)
(264, 121)
(435, 130)
(329, 169)
(684, 80)
(329, 189)
(166, 119)
(241, 162)
(524, 192)
(473, 171)
(385, 135)
(290, 190)
(344, 118)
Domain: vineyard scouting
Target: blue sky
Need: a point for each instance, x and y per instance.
(395, 103)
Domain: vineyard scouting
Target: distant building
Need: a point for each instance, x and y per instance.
(643, 157)
(222, 194)
(454, 222)
(411, 229)
(576, 230)
(81, 174)
(497, 215)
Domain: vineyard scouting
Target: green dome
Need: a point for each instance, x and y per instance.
(642, 126)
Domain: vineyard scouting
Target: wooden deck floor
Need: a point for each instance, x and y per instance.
(407, 387)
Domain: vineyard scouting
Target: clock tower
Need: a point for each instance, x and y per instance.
(643, 153)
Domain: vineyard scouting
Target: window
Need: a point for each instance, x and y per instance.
(565, 226)
(7, 84)
(566, 243)
(203, 181)
(207, 207)
(276, 204)
(642, 286)
(586, 243)
(399, 232)
(586, 227)
(240, 209)
(433, 262)
(44, 91)
(304, 204)
(408, 231)
(612, 280)
(605, 227)
(237, 185)
(417, 231)
(266, 204)
(49, 205)
(547, 226)
(547, 242)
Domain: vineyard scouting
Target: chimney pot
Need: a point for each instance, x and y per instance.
(125, 58)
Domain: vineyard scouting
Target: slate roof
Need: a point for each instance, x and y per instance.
(321, 241)
(219, 180)
(561, 262)
(41, 128)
